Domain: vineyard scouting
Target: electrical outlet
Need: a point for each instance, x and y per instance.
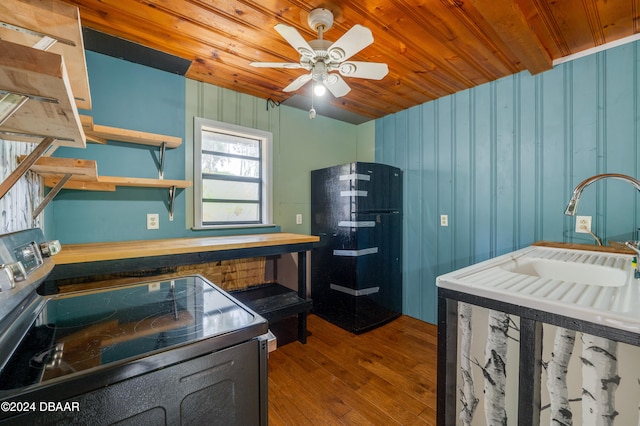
(299, 219)
(583, 224)
(153, 221)
(444, 220)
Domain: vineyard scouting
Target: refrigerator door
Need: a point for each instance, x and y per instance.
(340, 191)
(378, 186)
(367, 260)
(356, 273)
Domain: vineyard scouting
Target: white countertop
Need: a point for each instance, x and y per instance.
(568, 289)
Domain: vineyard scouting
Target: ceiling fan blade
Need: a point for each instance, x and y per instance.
(370, 70)
(353, 41)
(336, 85)
(297, 83)
(289, 65)
(294, 38)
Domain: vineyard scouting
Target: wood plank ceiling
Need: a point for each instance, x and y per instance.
(433, 47)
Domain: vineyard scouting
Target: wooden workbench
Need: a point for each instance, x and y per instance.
(96, 259)
(121, 250)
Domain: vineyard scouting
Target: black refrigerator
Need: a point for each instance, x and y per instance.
(356, 269)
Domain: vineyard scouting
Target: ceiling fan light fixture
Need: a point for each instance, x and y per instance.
(319, 89)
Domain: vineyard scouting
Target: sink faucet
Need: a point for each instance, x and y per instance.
(572, 207)
(633, 245)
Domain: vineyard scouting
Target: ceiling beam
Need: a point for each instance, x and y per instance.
(507, 20)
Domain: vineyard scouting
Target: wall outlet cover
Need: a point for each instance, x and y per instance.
(583, 224)
(153, 221)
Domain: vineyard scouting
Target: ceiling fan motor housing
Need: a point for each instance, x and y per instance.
(320, 19)
(320, 48)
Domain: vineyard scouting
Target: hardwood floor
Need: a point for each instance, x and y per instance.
(386, 376)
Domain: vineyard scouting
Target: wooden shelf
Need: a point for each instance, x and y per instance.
(84, 176)
(69, 173)
(110, 183)
(50, 110)
(37, 39)
(100, 134)
(43, 79)
(27, 22)
(81, 169)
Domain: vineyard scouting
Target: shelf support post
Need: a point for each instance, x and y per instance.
(25, 165)
(50, 196)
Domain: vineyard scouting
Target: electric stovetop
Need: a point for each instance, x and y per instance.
(136, 327)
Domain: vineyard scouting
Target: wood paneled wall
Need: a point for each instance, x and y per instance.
(502, 159)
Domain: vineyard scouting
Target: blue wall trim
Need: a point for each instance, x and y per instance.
(502, 159)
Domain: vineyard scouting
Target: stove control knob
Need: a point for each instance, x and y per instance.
(27, 252)
(6, 279)
(17, 268)
(50, 248)
(9, 274)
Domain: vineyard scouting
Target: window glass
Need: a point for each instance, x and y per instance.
(232, 175)
(228, 190)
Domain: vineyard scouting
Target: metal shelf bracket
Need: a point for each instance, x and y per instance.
(51, 195)
(163, 149)
(172, 199)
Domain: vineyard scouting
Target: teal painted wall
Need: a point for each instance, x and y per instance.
(136, 97)
(502, 159)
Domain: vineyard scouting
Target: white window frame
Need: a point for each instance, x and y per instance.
(266, 139)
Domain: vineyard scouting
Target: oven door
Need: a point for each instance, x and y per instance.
(146, 339)
(227, 387)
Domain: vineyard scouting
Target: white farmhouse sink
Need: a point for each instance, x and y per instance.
(577, 272)
(588, 285)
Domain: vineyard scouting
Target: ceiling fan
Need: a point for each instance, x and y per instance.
(320, 57)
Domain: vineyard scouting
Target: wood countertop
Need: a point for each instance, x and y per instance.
(96, 252)
(614, 248)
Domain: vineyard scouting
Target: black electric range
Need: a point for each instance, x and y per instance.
(168, 352)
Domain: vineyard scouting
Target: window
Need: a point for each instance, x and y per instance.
(232, 175)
